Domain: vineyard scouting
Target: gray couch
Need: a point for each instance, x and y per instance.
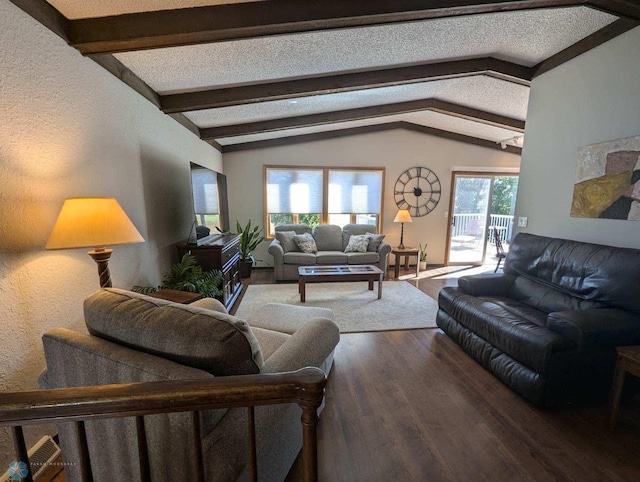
(331, 241)
(136, 338)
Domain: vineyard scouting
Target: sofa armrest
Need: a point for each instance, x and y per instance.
(384, 249)
(210, 304)
(275, 250)
(310, 345)
(601, 327)
(491, 284)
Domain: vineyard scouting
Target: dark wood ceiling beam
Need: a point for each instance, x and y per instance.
(477, 115)
(364, 113)
(257, 19)
(603, 35)
(317, 136)
(334, 83)
(621, 8)
(454, 136)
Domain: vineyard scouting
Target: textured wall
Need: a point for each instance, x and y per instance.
(396, 150)
(591, 99)
(69, 128)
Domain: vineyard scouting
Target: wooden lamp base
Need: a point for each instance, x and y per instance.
(101, 257)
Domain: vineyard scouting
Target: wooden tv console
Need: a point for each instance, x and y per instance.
(219, 251)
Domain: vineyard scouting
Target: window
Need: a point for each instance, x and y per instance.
(206, 203)
(322, 195)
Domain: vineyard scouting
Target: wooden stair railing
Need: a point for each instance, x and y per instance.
(304, 387)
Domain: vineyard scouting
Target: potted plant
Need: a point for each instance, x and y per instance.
(187, 275)
(422, 256)
(250, 238)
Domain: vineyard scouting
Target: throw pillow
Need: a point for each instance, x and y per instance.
(357, 244)
(375, 240)
(306, 243)
(286, 240)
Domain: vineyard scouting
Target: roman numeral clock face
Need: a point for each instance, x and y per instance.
(417, 190)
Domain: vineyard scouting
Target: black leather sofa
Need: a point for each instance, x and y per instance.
(548, 326)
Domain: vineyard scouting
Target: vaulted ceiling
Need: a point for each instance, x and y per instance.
(245, 74)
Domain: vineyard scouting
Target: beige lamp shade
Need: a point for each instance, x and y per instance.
(86, 222)
(403, 216)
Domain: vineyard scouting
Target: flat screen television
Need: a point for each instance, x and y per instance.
(210, 203)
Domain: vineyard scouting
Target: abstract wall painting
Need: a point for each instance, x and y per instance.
(607, 182)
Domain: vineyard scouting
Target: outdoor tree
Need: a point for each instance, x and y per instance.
(505, 189)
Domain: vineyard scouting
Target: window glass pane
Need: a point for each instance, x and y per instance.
(371, 219)
(294, 191)
(278, 219)
(311, 220)
(355, 191)
(339, 219)
(205, 191)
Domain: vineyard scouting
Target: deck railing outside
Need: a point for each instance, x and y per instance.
(461, 227)
(304, 387)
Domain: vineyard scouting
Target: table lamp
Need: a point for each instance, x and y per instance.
(95, 222)
(402, 217)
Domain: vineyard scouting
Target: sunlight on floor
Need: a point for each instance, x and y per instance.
(450, 272)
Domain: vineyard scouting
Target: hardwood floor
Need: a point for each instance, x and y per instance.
(412, 406)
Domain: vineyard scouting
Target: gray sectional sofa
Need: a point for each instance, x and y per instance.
(331, 241)
(136, 338)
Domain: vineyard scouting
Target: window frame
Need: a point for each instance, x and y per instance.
(324, 216)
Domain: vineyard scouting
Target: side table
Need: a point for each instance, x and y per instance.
(628, 361)
(407, 253)
(183, 297)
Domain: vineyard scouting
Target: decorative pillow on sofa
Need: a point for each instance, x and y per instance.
(357, 244)
(375, 240)
(306, 243)
(218, 343)
(286, 241)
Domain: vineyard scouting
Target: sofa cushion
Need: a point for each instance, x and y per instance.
(306, 243)
(331, 257)
(286, 241)
(363, 258)
(548, 299)
(593, 328)
(328, 237)
(514, 328)
(215, 342)
(375, 240)
(349, 230)
(269, 340)
(357, 244)
(302, 259)
(588, 271)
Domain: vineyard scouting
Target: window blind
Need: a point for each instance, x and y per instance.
(205, 191)
(294, 191)
(356, 192)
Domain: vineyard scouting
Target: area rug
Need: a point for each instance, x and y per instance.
(355, 308)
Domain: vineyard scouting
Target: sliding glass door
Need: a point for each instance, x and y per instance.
(482, 204)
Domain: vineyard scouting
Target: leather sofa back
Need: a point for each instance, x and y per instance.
(605, 275)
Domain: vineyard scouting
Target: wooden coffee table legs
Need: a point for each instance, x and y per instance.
(303, 291)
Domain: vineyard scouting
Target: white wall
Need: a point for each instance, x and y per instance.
(591, 99)
(396, 150)
(69, 128)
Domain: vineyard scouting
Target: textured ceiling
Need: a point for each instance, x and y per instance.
(75, 9)
(480, 91)
(525, 37)
(430, 119)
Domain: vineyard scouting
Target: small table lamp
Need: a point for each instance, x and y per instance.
(402, 217)
(93, 222)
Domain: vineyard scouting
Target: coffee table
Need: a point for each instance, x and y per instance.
(323, 274)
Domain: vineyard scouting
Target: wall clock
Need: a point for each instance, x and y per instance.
(417, 190)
